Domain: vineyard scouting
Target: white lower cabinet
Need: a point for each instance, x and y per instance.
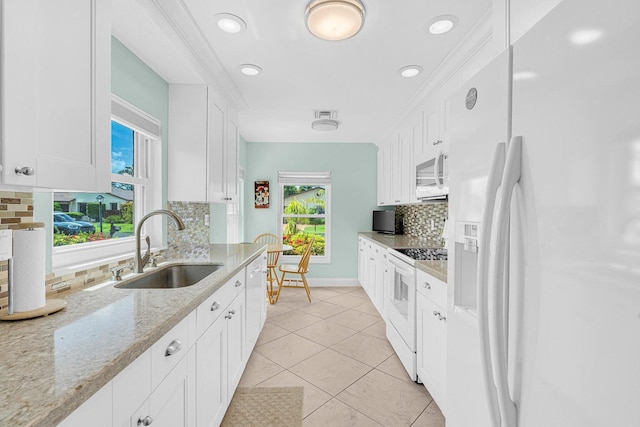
(188, 377)
(171, 404)
(431, 319)
(372, 271)
(211, 383)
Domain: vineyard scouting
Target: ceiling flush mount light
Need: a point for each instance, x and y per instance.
(325, 124)
(250, 69)
(230, 23)
(410, 71)
(334, 19)
(442, 24)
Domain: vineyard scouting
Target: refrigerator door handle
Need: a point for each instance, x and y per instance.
(493, 185)
(498, 279)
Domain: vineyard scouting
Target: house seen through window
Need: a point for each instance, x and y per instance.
(80, 217)
(305, 213)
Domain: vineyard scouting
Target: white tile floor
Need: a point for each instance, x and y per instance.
(335, 347)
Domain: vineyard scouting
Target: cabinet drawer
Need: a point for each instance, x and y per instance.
(432, 288)
(214, 306)
(168, 350)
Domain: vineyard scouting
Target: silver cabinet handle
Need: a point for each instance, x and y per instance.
(215, 306)
(232, 312)
(173, 348)
(439, 316)
(228, 316)
(26, 170)
(426, 285)
(238, 283)
(146, 421)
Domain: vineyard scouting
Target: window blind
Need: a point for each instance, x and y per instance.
(319, 178)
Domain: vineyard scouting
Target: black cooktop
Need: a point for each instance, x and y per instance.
(423, 254)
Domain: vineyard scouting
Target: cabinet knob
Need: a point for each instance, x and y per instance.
(26, 170)
(232, 312)
(146, 421)
(173, 348)
(426, 285)
(228, 316)
(215, 306)
(238, 283)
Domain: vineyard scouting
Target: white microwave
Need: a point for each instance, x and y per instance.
(432, 178)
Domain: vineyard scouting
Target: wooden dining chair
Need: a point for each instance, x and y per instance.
(301, 269)
(272, 262)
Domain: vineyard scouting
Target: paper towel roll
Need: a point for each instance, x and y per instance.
(28, 269)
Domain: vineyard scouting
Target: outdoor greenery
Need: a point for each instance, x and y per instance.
(60, 239)
(299, 242)
(300, 222)
(75, 215)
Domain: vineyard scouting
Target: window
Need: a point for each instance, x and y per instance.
(90, 226)
(304, 202)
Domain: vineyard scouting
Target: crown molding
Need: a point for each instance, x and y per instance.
(178, 16)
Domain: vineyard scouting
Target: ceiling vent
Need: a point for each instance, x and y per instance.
(325, 120)
(326, 114)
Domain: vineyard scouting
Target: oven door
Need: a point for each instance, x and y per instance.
(401, 311)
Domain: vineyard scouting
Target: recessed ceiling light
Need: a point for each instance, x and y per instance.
(325, 125)
(250, 69)
(334, 19)
(410, 70)
(230, 23)
(442, 24)
(585, 36)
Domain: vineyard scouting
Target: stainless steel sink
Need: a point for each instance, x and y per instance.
(171, 276)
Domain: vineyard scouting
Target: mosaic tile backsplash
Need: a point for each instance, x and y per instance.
(193, 241)
(416, 219)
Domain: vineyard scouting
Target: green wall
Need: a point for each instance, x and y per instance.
(136, 83)
(353, 194)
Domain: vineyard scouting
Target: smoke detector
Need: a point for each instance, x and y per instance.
(325, 120)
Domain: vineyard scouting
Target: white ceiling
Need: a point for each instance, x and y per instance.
(358, 77)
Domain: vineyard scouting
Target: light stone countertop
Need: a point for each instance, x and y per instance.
(437, 269)
(50, 365)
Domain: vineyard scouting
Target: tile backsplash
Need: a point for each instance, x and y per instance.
(193, 241)
(416, 219)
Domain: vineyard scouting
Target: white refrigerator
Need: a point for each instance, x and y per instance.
(544, 300)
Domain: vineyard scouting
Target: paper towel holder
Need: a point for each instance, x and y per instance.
(51, 305)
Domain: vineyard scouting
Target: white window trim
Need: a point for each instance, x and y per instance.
(67, 259)
(307, 178)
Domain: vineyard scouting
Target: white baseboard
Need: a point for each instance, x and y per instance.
(320, 282)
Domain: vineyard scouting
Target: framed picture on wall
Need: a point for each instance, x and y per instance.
(262, 194)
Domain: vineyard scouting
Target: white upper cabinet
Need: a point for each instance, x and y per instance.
(203, 147)
(56, 94)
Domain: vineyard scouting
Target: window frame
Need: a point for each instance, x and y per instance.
(306, 178)
(147, 196)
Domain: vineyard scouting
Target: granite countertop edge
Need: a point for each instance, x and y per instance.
(438, 269)
(29, 397)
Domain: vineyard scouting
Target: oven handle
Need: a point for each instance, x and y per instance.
(399, 267)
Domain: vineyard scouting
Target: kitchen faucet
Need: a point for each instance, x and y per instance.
(141, 261)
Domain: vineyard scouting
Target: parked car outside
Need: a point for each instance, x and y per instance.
(63, 223)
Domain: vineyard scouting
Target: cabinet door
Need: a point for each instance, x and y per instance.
(231, 163)
(172, 404)
(361, 261)
(255, 300)
(384, 174)
(215, 156)
(56, 95)
(211, 383)
(396, 170)
(236, 353)
(381, 268)
(187, 157)
(431, 347)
